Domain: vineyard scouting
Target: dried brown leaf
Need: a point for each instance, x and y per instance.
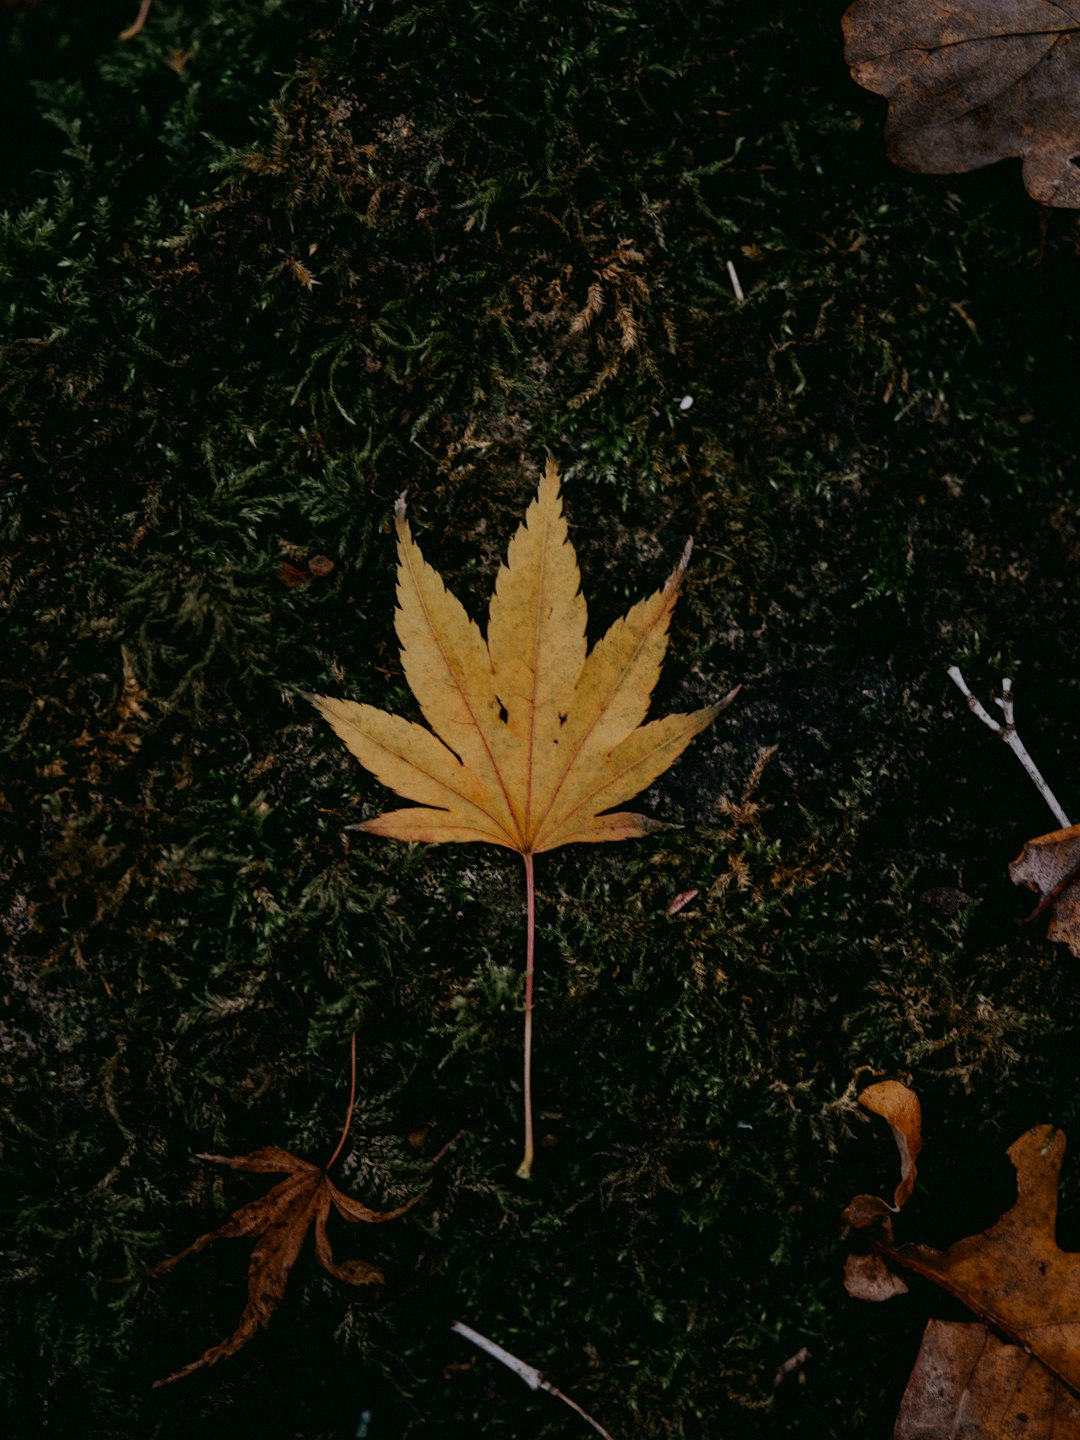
(900, 1107)
(1014, 1276)
(969, 1385)
(279, 1221)
(1050, 865)
(970, 82)
(867, 1277)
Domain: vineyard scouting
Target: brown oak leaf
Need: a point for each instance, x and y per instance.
(1050, 864)
(1014, 1276)
(968, 1383)
(970, 82)
(279, 1221)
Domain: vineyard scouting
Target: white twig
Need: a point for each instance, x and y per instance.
(1007, 732)
(532, 1377)
(734, 278)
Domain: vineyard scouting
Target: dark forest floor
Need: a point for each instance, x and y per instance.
(263, 268)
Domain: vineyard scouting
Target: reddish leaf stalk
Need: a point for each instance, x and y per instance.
(352, 1104)
(525, 1168)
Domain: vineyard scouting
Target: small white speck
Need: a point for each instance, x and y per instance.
(686, 402)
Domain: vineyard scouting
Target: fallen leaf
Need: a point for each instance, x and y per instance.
(867, 1277)
(968, 1384)
(970, 82)
(1050, 865)
(536, 740)
(533, 739)
(1014, 1276)
(900, 1107)
(280, 1221)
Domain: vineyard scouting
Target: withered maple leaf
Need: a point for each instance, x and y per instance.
(970, 82)
(280, 1221)
(1019, 1282)
(535, 739)
(1050, 864)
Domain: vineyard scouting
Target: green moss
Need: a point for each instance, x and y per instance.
(264, 268)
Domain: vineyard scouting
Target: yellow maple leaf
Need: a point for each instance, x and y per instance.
(535, 740)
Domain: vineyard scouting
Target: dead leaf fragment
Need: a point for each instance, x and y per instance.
(970, 82)
(867, 1277)
(280, 1221)
(969, 1385)
(1050, 865)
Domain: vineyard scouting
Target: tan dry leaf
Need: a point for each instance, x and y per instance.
(1050, 865)
(867, 1277)
(280, 1221)
(532, 740)
(1014, 1276)
(900, 1107)
(970, 82)
(969, 1385)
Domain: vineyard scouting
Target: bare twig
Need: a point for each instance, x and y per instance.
(532, 1377)
(1007, 732)
(734, 278)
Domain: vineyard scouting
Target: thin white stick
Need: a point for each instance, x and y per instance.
(1007, 732)
(733, 277)
(529, 1373)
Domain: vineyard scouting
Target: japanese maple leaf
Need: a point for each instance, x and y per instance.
(280, 1221)
(533, 740)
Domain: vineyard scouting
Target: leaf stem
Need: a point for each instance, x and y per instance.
(352, 1103)
(525, 1168)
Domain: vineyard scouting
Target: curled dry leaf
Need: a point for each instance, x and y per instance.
(279, 1222)
(1050, 865)
(970, 82)
(900, 1107)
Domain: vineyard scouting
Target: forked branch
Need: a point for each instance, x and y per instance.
(1007, 731)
